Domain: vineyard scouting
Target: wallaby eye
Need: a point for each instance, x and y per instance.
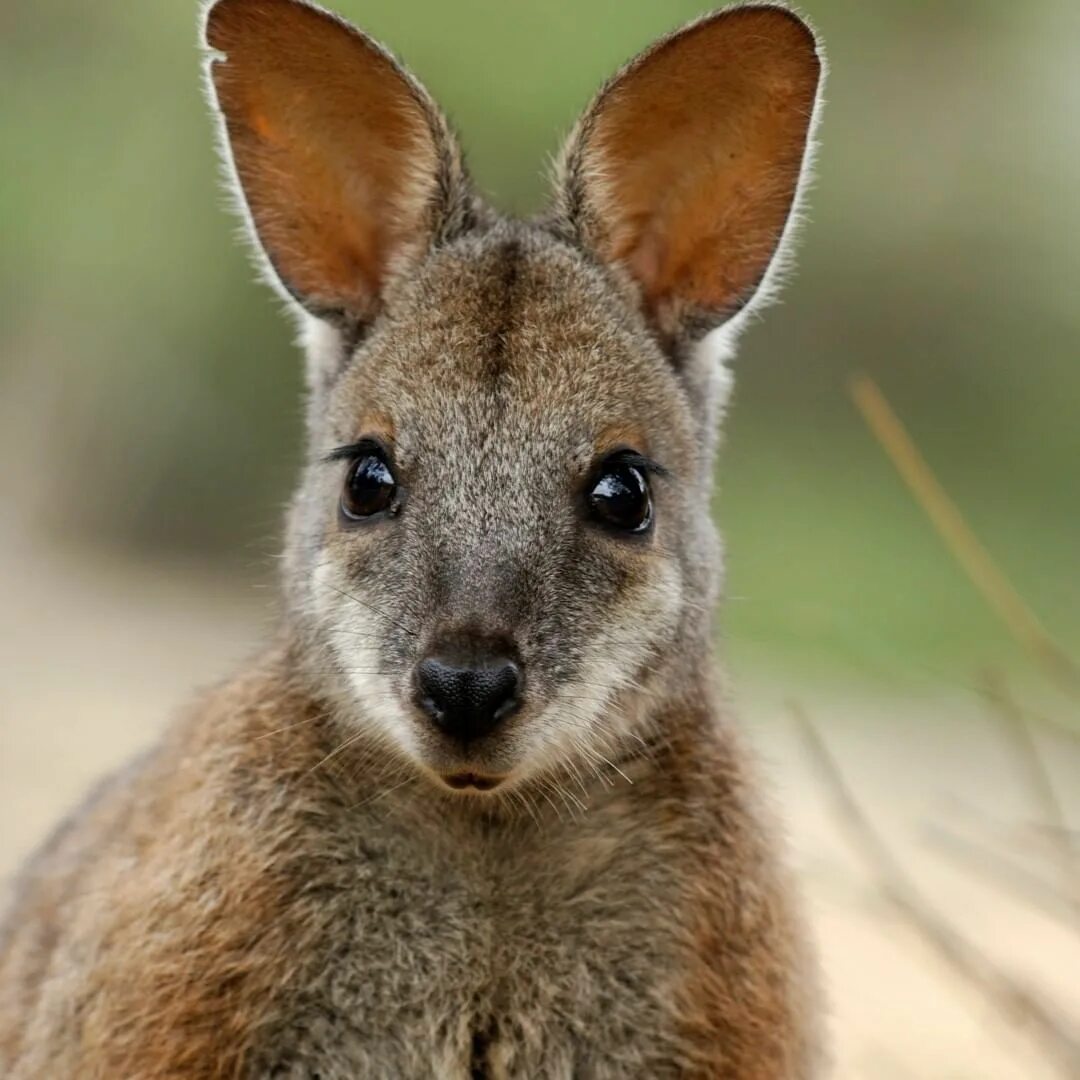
(619, 496)
(370, 487)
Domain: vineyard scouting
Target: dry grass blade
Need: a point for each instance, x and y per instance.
(1014, 1001)
(1000, 872)
(946, 518)
(1037, 778)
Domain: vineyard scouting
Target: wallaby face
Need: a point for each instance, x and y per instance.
(501, 552)
(514, 527)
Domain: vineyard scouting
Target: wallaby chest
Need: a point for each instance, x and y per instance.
(488, 952)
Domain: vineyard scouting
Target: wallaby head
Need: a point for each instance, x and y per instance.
(501, 557)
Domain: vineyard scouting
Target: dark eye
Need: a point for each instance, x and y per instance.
(369, 487)
(619, 497)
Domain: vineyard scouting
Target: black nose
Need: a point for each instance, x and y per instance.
(468, 702)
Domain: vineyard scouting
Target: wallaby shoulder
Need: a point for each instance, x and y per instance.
(145, 921)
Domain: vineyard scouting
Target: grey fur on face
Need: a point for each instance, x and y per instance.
(508, 369)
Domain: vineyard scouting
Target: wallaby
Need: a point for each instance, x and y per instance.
(480, 809)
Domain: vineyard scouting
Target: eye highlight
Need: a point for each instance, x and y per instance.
(370, 487)
(619, 497)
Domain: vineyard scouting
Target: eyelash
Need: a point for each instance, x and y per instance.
(637, 460)
(356, 450)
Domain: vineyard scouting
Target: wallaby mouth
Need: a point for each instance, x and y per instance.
(463, 781)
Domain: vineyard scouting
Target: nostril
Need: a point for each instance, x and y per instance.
(467, 702)
(499, 686)
(505, 690)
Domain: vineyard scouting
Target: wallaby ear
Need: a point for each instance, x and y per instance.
(686, 168)
(346, 167)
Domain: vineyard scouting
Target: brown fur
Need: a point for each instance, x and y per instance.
(289, 885)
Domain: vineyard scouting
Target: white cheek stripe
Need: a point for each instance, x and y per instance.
(579, 718)
(353, 642)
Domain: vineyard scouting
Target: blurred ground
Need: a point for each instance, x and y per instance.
(99, 652)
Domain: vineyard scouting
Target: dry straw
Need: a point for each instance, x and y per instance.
(946, 518)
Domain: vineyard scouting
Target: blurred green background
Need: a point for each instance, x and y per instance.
(149, 388)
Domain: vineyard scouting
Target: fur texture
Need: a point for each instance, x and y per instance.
(288, 886)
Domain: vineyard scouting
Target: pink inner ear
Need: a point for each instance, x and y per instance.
(694, 157)
(334, 151)
(646, 262)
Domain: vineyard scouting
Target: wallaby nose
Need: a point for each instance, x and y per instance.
(468, 701)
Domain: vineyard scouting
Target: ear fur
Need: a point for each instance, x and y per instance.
(346, 170)
(686, 171)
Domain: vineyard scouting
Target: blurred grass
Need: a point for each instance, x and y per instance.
(149, 390)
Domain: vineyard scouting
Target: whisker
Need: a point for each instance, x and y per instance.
(548, 799)
(382, 794)
(329, 667)
(372, 608)
(333, 753)
(288, 727)
(409, 607)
